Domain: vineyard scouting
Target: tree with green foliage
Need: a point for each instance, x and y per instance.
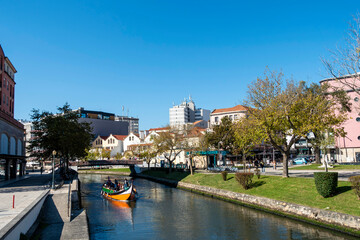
(247, 134)
(105, 154)
(195, 145)
(222, 136)
(331, 121)
(118, 156)
(60, 132)
(92, 154)
(148, 154)
(170, 143)
(286, 111)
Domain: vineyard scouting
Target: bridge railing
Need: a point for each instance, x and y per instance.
(105, 162)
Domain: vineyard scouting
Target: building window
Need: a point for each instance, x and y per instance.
(358, 119)
(216, 119)
(356, 99)
(358, 137)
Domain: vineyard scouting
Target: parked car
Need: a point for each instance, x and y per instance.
(300, 160)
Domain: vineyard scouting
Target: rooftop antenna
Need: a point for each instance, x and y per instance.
(123, 110)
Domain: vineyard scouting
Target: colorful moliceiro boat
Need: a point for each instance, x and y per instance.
(120, 195)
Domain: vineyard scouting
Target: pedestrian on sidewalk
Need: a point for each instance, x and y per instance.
(262, 165)
(274, 164)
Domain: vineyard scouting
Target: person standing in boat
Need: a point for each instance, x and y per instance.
(108, 183)
(116, 185)
(126, 184)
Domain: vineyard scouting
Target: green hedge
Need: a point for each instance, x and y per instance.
(326, 183)
(355, 182)
(245, 179)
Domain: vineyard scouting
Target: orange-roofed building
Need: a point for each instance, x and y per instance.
(163, 129)
(234, 113)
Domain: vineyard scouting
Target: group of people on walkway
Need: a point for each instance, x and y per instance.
(258, 164)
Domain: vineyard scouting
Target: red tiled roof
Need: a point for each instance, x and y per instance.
(141, 144)
(196, 131)
(159, 129)
(198, 122)
(233, 109)
(120, 137)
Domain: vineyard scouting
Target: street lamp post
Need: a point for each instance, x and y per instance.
(53, 169)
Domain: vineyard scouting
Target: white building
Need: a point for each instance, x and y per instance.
(131, 139)
(28, 126)
(186, 112)
(234, 113)
(114, 143)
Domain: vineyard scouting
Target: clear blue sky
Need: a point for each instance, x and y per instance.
(145, 55)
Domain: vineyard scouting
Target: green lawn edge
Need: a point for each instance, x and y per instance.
(116, 171)
(315, 166)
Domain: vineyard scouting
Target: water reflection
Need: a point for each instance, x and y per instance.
(162, 212)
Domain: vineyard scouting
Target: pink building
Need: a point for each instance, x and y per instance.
(347, 149)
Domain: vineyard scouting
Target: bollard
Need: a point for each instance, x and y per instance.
(13, 201)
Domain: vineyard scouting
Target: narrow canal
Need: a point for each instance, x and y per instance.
(163, 212)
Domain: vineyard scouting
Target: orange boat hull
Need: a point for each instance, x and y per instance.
(127, 195)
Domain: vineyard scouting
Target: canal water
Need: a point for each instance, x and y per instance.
(162, 212)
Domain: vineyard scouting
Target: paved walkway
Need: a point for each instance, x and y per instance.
(25, 190)
(59, 224)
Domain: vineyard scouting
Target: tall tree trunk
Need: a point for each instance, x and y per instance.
(285, 165)
(191, 168)
(317, 155)
(325, 160)
(170, 164)
(244, 162)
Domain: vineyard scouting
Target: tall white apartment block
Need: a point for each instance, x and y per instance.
(186, 112)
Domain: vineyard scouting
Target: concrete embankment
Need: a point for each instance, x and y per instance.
(316, 216)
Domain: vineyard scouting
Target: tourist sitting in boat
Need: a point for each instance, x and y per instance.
(109, 184)
(116, 185)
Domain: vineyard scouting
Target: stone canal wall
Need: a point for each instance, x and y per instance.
(319, 215)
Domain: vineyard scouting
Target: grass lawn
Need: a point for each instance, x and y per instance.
(127, 170)
(295, 190)
(315, 166)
